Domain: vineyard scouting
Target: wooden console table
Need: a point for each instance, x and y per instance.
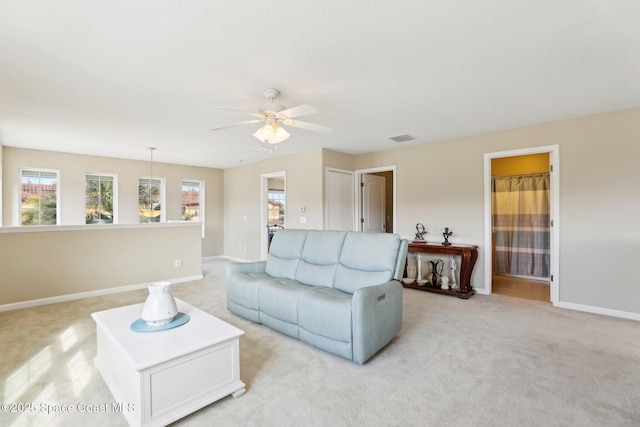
(469, 255)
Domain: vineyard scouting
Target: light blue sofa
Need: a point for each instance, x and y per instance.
(336, 290)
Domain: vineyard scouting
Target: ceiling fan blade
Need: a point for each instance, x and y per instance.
(238, 124)
(237, 111)
(307, 126)
(300, 110)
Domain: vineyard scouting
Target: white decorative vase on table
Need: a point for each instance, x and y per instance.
(160, 307)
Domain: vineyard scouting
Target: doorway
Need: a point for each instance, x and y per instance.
(274, 207)
(376, 199)
(521, 235)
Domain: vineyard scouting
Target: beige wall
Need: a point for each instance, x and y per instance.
(59, 261)
(333, 159)
(441, 185)
(243, 220)
(72, 188)
(1, 184)
(599, 199)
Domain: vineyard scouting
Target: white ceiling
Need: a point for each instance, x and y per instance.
(113, 78)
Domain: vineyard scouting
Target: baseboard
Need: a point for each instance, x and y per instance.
(80, 295)
(234, 259)
(213, 257)
(230, 258)
(585, 308)
(599, 310)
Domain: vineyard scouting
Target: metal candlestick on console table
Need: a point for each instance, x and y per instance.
(469, 255)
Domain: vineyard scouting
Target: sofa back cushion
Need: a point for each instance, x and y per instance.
(367, 259)
(320, 257)
(339, 259)
(284, 253)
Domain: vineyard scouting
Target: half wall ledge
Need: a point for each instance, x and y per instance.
(41, 265)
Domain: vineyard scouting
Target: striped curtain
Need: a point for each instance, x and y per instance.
(521, 222)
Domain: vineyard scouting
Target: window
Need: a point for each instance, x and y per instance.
(193, 201)
(39, 197)
(191, 196)
(150, 199)
(276, 207)
(100, 198)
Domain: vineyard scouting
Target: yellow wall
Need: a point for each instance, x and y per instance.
(520, 165)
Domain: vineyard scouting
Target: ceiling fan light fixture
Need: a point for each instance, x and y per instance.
(271, 133)
(272, 114)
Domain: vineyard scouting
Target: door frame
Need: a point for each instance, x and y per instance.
(264, 208)
(554, 177)
(358, 193)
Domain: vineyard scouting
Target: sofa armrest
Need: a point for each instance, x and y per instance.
(401, 261)
(245, 267)
(377, 318)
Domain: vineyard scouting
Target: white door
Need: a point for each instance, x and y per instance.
(339, 200)
(373, 202)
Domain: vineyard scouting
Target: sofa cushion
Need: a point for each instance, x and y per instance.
(323, 247)
(284, 253)
(316, 275)
(319, 257)
(279, 298)
(367, 259)
(245, 289)
(326, 312)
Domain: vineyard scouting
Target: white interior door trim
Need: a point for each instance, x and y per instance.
(358, 194)
(554, 159)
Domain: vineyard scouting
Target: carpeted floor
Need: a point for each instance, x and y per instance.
(487, 361)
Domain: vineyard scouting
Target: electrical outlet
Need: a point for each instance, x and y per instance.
(178, 263)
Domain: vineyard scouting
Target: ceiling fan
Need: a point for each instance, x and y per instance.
(274, 114)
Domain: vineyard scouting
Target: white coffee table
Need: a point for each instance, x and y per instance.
(159, 377)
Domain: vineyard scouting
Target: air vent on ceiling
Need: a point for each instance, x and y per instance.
(263, 149)
(402, 138)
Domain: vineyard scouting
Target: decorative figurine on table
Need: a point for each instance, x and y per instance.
(420, 232)
(446, 235)
(454, 267)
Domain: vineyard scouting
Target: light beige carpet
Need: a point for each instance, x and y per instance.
(487, 361)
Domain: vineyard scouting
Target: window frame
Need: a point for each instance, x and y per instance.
(58, 191)
(282, 198)
(114, 177)
(201, 201)
(163, 200)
